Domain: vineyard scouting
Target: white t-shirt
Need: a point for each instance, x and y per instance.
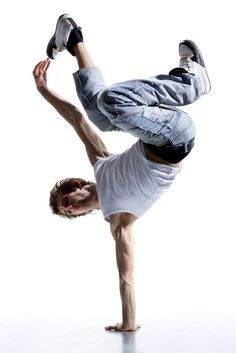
(129, 182)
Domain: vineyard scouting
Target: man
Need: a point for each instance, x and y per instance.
(129, 183)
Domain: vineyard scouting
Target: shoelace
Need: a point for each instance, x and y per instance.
(186, 62)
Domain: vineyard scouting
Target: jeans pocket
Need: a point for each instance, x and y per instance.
(161, 116)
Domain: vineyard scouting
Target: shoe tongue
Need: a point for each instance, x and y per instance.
(56, 53)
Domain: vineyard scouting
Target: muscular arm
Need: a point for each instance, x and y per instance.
(122, 231)
(93, 143)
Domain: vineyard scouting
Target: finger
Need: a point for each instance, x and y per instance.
(110, 328)
(118, 328)
(36, 68)
(45, 64)
(48, 63)
(40, 66)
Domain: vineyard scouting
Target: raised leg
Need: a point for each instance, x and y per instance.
(165, 91)
(136, 105)
(146, 108)
(89, 83)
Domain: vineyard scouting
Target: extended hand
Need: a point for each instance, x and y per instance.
(40, 74)
(121, 327)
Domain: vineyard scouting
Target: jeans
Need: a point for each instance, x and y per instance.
(146, 108)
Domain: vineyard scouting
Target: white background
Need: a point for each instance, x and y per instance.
(185, 245)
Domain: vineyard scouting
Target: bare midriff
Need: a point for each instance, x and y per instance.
(152, 157)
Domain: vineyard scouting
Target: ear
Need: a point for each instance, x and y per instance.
(76, 183)
(81, 182)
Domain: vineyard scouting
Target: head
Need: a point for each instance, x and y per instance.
(72, 197)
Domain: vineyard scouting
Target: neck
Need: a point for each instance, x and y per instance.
(94, 196)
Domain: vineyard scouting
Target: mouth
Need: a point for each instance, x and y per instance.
(74, 206)
(77, 205)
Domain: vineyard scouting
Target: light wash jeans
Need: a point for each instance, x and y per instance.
(146, 108)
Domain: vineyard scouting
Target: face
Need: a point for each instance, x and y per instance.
(74, 198)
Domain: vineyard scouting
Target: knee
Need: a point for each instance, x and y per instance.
(106, 101)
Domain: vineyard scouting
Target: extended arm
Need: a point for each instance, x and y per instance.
(122, 231)
(94, 145)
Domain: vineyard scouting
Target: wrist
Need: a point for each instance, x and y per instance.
(42, 89)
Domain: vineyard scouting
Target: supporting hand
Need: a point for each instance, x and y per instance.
(121, 327)
(40, 74)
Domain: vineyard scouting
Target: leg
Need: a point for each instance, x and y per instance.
(136, 102)
(89, 83)
(88, 80)
(165, 91)
(133, 106)
(146, 108)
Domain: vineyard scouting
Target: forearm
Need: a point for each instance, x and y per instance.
(67, 110)
(128, 302)
(92, 141)
(125, 262)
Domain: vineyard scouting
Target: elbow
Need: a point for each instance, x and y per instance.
(76, 115)
(123, 237)
(122, 230)
(126, 278)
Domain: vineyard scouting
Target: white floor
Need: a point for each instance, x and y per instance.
(157, 336)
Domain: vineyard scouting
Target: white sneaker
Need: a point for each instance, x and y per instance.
(59, 40)
(192, 61)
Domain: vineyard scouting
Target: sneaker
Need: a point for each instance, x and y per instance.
(192, 61)
(58, 42)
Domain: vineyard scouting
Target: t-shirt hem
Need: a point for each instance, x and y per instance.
(107, 216)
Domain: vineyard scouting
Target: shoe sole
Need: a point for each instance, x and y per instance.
(189, 48)
(51, 44)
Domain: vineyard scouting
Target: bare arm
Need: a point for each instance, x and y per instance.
(122, 231)
(93, 143)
